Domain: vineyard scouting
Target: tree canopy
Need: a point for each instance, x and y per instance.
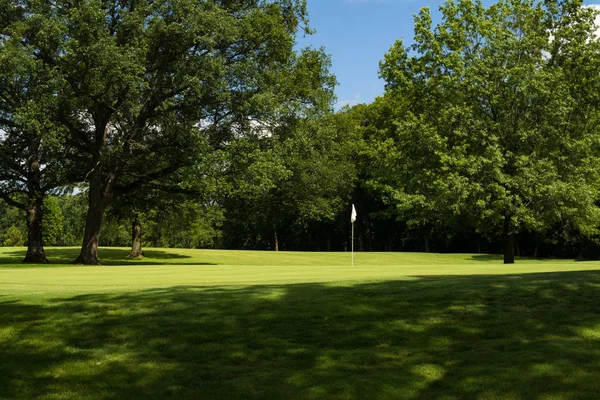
(496, 118)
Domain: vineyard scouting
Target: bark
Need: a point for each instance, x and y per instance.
(89, 248)
(427, 246)
(275, 241)
(509, 243)
(100, 196)
(136, 238)
(35, 247)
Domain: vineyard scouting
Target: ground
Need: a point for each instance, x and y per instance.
(258, 325)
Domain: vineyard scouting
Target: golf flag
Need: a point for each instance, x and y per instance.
(353, 216)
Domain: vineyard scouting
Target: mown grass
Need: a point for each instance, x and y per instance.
(63, 256)
(388, 331)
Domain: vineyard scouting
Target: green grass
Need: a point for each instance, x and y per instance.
(259, 325)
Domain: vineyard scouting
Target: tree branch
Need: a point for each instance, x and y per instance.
(10, 201)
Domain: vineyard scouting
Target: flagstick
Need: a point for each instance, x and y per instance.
(353, 244)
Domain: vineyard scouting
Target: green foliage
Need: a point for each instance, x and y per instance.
(52, 221)
(11, 216)
(495, 118)
(73, 208)
(186, 225)
(140, 88)
(115, 233)
(12, 237)
(296, 176)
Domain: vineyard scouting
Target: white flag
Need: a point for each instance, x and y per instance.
(353, 216)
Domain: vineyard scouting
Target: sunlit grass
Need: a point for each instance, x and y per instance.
(208, 326)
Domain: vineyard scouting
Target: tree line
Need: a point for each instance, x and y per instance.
(199, 124)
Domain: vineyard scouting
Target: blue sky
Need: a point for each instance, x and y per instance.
(357, 34)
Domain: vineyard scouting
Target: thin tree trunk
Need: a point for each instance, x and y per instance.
(509, 243)
(275, 241)
(427, 246)
(136, 238)
(361, 241)
(35, 247)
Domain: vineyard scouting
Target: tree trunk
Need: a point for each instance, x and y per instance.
(427, 247)
(328, 241)
(35, 247)
(136, 238)
(361, 241)
(93, 223)
(509, 243)
(275, 241)
(99, 197)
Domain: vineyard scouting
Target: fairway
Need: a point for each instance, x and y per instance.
(208, 324)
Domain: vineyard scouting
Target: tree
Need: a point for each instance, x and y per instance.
(32, 161)
(496, 118)
(73, 209)
(290, 179)
(13, 237)
(52, 220)
(143, 82)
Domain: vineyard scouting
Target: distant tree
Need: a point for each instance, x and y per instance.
(10, 216)
(73, 209)
(495, 118)
(294, 177)
(52, 220)
(12, 237)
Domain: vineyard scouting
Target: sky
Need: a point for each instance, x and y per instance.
(357, 34)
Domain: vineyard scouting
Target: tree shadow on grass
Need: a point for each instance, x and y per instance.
(108, 256)
(500, 258)
(455, 337)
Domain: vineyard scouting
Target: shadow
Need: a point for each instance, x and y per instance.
(108, 257)
(456, 337)
(500, 258)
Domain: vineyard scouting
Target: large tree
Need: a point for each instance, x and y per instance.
(496, 113)
(32, 160)
(144, 82)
